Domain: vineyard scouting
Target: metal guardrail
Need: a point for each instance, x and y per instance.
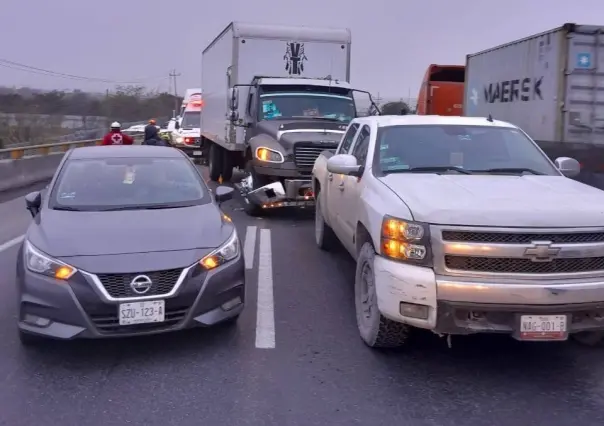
(18, 152)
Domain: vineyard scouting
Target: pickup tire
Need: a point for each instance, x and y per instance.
(324, 236)
(216, 162)
(375, 330)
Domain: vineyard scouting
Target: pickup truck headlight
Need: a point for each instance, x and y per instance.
(269, 155)
(405, 241)
(223, 254)
(41, 263)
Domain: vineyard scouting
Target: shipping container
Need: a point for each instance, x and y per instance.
(552, 86)
(442, 90)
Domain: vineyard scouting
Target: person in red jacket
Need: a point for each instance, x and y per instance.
(116, 137)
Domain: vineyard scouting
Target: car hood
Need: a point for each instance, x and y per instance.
(487, 200)
(64, 234)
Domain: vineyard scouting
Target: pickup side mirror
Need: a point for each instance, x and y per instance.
(33, 201)
(223, 193)
(569, 167)
(344, 164)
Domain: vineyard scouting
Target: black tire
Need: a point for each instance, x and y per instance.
(215, 162)
(28, 339)
(227, 166)
(375, 330)
(589, 338)
(258, 182)
(324, 236)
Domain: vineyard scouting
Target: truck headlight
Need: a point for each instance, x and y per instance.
(269, 155)
(223, 254)
(405, 241)
(41, 263)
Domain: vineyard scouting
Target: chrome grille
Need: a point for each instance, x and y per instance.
(522, 238)
(118, 285)
(523, 266)
(306, 154)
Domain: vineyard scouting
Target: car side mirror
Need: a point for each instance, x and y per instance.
(344, 164)
(223, 193)
(33, 201)
(569, 167)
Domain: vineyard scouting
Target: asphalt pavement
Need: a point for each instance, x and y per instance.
(293, 359)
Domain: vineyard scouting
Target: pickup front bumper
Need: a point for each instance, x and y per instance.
(458, 305)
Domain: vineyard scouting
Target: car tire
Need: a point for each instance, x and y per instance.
(324, 236)
(589, 338)
(28, 339)
(375, 330)
(215, 162)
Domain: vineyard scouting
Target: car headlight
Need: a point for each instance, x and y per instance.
(405, 241)
(269, 155)
(223, 254)
(41, 263)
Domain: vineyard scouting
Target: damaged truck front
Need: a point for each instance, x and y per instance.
(285, 94)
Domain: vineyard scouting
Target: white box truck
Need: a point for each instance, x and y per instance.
(274, 98)
(552, 86)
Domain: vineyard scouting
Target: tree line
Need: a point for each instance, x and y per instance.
(125, 103)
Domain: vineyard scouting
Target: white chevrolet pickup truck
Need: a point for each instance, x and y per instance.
(462, 225)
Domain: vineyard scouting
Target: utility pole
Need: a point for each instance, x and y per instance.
(173, 76)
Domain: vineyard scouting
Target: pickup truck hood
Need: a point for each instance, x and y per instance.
(488, 200)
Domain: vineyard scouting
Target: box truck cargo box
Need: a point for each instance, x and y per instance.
(552, 86)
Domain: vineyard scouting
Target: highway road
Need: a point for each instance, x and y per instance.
(293, 359)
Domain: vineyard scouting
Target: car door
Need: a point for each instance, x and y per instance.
(333, 194)
(351, 190)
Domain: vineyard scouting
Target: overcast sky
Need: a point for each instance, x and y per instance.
(393, 41)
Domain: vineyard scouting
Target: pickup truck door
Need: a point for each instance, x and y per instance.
(351, 191)
(335, 183)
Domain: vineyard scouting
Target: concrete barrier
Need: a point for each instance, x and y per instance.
(28, 165)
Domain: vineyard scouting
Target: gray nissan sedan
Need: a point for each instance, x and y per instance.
(127, 240)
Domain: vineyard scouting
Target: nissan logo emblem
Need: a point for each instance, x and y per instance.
(141, 284)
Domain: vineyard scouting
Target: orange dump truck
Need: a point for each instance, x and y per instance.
(442, 90)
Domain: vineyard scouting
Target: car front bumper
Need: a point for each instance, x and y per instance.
(79, 310)
(461, 305)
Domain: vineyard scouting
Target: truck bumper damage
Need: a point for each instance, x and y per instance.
(461, 305)
(290, 193)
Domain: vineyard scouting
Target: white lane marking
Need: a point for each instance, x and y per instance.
(249, 247)
(11, 243)
(265, 319)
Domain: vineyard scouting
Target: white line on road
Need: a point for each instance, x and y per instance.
(11, 243)
(265, 320)
(249, 247)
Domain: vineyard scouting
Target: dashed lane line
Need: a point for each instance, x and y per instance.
(265, 319)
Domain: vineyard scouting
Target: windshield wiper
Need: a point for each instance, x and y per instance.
(509, 170)
(435, 169)
(152, 207)
(68, 209)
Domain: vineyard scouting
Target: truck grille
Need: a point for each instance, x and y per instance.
(522, 238)
(523, 266)
(305, 153)
(118, 285)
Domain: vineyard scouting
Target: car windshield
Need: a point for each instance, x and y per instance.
(467, 149)
(127, 183)
(305, 104)
(191, 119)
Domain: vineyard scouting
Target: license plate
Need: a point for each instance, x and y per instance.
(543, 327)
(142, 312)
(196, 152)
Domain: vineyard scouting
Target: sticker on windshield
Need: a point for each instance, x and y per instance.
(129, 176)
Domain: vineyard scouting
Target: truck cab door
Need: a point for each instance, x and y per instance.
(333, 198)
(351, 191)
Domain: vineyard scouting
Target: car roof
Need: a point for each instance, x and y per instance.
(426, 120)
(124, 151)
